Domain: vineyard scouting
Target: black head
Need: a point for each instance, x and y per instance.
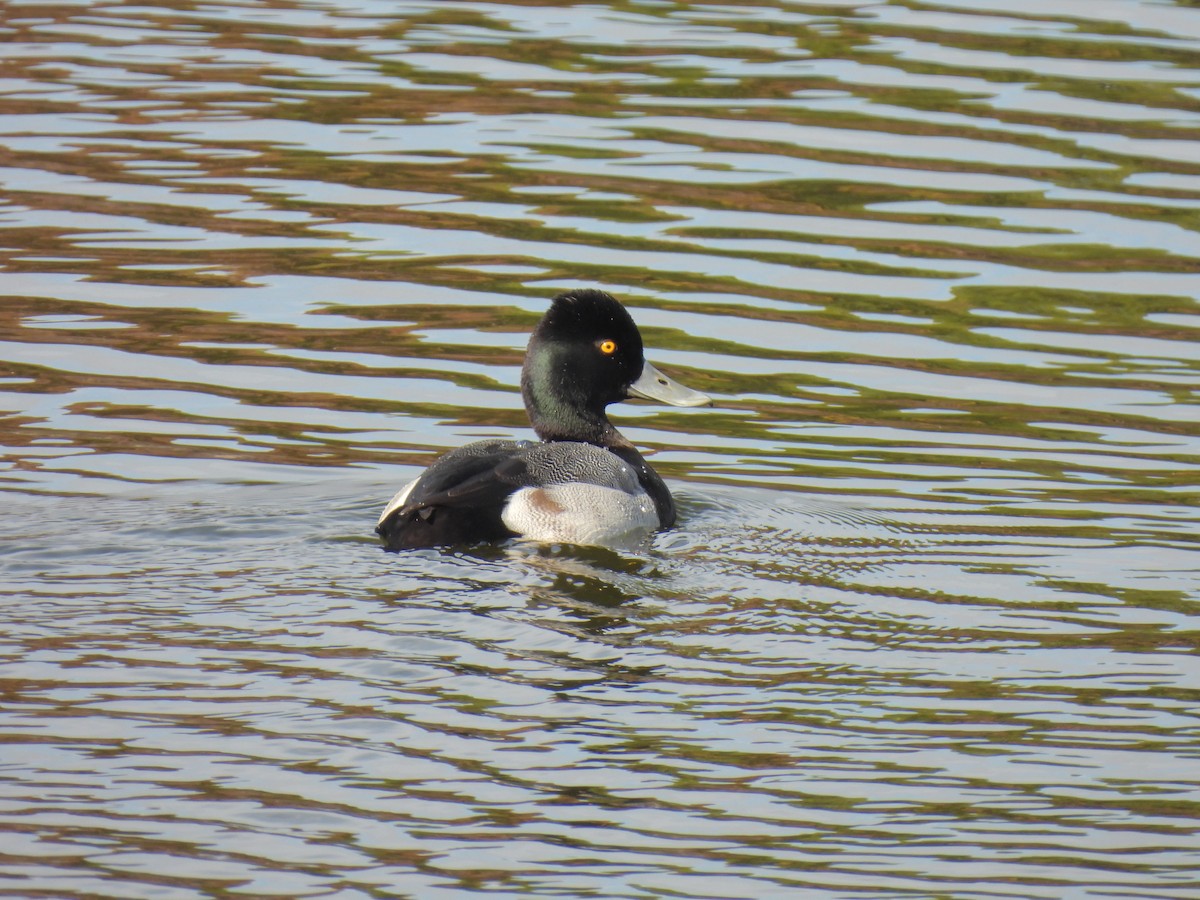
(583, 355)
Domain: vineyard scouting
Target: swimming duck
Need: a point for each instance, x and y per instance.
(583, 482)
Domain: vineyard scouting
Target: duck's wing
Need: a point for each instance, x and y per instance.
(458, 499)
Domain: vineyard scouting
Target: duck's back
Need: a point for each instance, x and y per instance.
(490, 490)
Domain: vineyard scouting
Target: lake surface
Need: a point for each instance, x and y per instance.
(928, 624)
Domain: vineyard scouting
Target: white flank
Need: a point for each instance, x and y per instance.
(578, 513)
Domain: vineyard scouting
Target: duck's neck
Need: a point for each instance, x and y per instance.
(561, 411)
(562, 422)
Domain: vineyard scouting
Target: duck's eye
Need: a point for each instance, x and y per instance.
(608, 348)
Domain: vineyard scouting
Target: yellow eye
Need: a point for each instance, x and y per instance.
(608, 348)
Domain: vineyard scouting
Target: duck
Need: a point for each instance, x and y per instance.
(582, 482)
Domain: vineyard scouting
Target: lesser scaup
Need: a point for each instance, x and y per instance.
(584, 482)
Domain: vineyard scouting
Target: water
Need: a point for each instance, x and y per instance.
(927, 627)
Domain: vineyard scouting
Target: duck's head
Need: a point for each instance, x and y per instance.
(585, 354)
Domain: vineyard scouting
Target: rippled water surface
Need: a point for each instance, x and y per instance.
(927, 627)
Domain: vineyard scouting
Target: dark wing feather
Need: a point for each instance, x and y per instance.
(458, 499)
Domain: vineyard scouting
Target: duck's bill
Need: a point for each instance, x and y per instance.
(654, 385)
